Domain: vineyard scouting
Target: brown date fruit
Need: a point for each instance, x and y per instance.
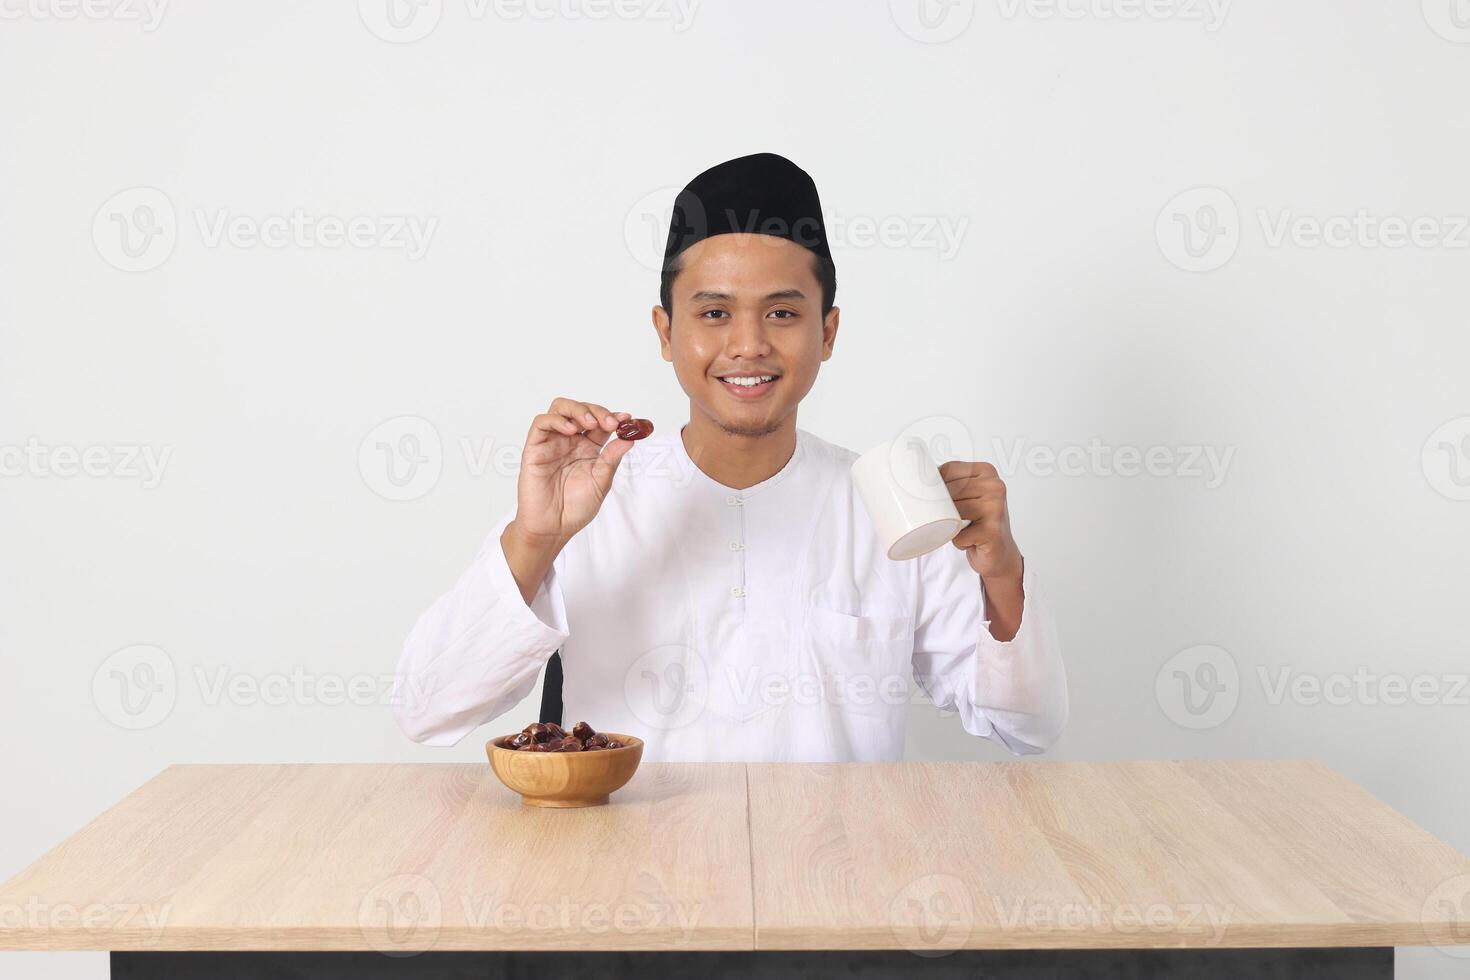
(549, 736)
(635, 429)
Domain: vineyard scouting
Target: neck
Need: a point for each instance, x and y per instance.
(738, 461)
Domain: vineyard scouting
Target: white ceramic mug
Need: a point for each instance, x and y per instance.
(906, 498)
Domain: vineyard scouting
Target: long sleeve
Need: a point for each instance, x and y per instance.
(1015, 691)
(476, 652)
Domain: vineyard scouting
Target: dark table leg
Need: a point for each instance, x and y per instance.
(1130, 964)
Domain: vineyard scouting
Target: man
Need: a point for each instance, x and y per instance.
(718, 589)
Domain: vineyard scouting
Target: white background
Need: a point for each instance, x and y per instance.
(1050, 146)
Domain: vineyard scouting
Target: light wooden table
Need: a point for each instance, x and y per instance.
(1190, 868)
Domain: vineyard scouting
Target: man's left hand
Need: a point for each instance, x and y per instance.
(979, 495)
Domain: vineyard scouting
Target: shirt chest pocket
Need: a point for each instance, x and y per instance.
(862, 662)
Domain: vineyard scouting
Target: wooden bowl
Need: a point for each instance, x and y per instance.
(565, 779)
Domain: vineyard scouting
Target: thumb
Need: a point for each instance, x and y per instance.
(606, 463)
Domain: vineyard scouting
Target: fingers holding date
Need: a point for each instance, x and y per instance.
(567, 469)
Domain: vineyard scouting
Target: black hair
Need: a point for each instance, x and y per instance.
(826, 275)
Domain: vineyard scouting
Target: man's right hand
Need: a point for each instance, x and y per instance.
(565, 475)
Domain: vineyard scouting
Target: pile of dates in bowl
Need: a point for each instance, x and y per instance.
(551, 737)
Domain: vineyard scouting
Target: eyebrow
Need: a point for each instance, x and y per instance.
(710, 294)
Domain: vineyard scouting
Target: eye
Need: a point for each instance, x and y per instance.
(784, 314)
(713, 314)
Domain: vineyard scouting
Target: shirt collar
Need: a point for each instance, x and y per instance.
(686, 464)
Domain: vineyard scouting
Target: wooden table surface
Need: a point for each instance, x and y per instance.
(919, 856)
(1087, 855)
(345, 857)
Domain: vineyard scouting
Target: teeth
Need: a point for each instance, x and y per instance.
(750, 382)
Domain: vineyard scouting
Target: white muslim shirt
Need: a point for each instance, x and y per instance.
(755, 625)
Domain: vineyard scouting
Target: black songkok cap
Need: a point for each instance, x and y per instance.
(761, 194)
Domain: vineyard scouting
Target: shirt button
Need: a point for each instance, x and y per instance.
(733, 501)
(736, 546)
(738, 592)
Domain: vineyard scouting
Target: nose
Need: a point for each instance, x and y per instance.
(747, 337)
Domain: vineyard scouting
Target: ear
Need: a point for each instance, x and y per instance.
(662, 326)
(829, 332)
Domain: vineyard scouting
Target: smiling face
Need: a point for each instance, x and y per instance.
(747, 332)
